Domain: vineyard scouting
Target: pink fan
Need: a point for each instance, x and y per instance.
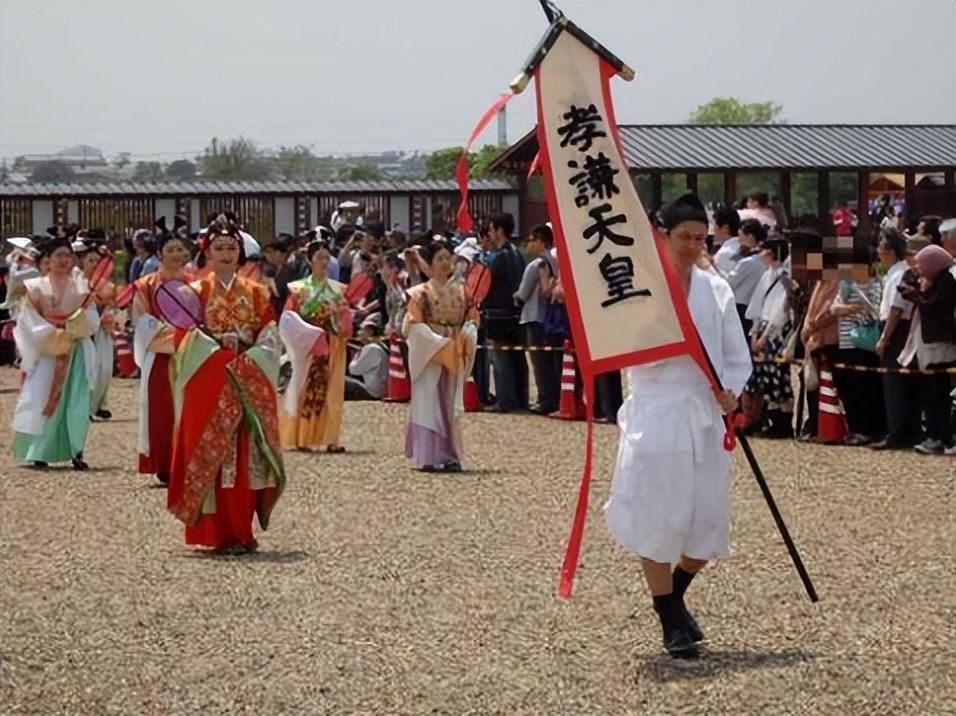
(101, 274)
(102, 271)
(179, 305)
(358, 288)
(477, 284)
(125, 296)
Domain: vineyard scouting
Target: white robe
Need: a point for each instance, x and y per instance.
(670, 495)
(298, 336)
(31, 331)
(103, 347)
(768, 308)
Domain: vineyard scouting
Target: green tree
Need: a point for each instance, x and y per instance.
(730, 110)
(484, 157)
(359, 172)
(180, 170)
(298, 163)
(148, 172)
(443, 163)
(121, 160)
(52, 172)
(236, 160)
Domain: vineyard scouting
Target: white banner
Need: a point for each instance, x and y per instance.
(619, 299)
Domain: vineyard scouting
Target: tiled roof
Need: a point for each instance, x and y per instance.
(676, 147)
(198, 188)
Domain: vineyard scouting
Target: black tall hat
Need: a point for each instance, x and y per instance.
(685, 208)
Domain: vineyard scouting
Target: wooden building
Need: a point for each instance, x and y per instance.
(810, 167)
(267, 208)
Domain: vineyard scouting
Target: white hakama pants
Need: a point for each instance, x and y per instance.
(670, 495)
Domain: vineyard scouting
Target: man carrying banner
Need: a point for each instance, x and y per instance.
(636, 301)
(670, 496)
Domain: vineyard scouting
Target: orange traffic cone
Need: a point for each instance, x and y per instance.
(831, 420)
(399, 387)
(470, 396)
(570, 406)
(123, 364)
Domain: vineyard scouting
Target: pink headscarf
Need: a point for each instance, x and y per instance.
(933, 260)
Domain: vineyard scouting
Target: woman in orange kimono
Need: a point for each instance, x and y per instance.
(153, 352)
(227, 461)
(315, 326)
(441, 329)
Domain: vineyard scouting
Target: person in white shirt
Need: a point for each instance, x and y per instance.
(546, 365)
(902, 409)
(726, 228)
(772, 318)
(368, 371)
(947, 234)
(758, 207)
(745, 276)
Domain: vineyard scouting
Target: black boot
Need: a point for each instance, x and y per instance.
(677, 639)
(78, 463)
(681, 580)
(781, 425)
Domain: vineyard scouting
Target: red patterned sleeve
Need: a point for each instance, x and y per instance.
(292, 302)
(264, 309)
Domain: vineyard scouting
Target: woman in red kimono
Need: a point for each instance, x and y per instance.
(153, 352)
(227, 462)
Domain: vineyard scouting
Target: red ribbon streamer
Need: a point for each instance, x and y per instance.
(464, 221)
(534, 164)
(571, 555)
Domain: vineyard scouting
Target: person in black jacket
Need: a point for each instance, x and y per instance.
(933, 343)
(500, 317)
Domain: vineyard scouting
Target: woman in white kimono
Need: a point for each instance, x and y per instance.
(90, 250)
(670, 496)
(51, 419)
(770, 313)
(441, 330)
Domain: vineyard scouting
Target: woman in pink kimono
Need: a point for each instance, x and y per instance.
(441, 330)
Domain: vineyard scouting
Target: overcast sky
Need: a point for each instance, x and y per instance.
(161, 78)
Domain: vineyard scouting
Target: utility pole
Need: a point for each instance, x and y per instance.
(502, 127)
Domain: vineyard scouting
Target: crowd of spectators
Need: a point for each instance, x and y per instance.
(862, 323)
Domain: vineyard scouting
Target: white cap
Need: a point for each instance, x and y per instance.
(468, 249)
(250, 246)
(20, 242)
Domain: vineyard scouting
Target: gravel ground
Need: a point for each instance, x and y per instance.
(383, 590)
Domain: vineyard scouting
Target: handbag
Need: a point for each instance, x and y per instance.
(865, 335)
